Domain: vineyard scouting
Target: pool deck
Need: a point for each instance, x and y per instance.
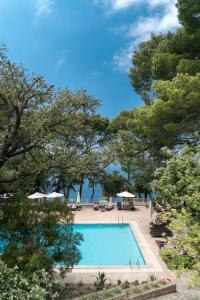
(139, 220)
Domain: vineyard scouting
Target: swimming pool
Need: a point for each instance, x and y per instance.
(109, 245)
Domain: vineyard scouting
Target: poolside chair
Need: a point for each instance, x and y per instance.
(79, 207)
(109, 207)
(74, 207)
(160, 244)
(96, 206)
(119, 205)
(131, 206)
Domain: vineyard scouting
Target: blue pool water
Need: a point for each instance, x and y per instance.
(108, 244)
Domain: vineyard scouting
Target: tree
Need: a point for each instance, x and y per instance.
(165, 55)
(15, 285)
(83, 140)
(182, 249)
(46, 134)
(141, 73)
(189, 14)
(34, 238)
(178, 182)
(173, 118)
(114, 183)
(177, 185)
(23, 109)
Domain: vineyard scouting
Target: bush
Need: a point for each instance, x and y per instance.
(100, 281)
(136, 282)
(125, 285)
(146, 287)
(152, 277)
(136, 290)
(162, 282)
(119, 281)
(174, 260)
(14, 285)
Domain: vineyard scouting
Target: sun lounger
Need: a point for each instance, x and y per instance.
(74, 207)
(96, 206)
(109, 207)
(160, 244)
(119, 206)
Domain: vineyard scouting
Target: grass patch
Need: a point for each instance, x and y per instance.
(116, 290)
(107, 294)
(137, 290)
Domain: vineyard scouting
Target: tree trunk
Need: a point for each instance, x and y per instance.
(129, 176)
(81, 186)
(92, 194)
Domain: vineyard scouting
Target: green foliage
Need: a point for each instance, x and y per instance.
(125, 285)
(182, 251)
(100, 281)
(178, 181)
(14, 285)
(114, 183)
(174, 260)
(142, 65)
(189, 14)
(34, 239)
(47, 137)
(164, 56)
(152, 277)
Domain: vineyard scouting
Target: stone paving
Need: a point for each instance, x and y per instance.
(183, 293)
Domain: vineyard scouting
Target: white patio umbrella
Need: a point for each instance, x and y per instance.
(78, 198)
(37, 196)
(55, 195)
(125, 195)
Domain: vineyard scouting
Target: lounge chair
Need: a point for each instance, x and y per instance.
(74, 207)
(96, 206)
(119, 206)
(109, 207)
(79, 207)
(160, 244)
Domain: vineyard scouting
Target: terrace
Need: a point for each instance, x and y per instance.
(138, 220)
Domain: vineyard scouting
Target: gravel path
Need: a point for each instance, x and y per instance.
(183, 293)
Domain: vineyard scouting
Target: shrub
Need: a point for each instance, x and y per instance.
(125, 285)
(107, 294)
(119, 281)
(152, 277)
(136, 282)
(174, 260)
(154, 284)
(100, 281)
(136, 290)
(14, 285)
(116, 290)
(162, 282)
(146, 287)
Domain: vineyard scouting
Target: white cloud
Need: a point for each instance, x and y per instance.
(43, 7)
(60, 62)
(112, 6)
(142, 29)
(122, 59)
(97, 74)
(144, 26)
(160, 2)
(122, 4)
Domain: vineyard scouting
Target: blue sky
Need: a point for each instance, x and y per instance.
(84, 43)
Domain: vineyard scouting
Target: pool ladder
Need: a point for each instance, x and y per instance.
(122, 220)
